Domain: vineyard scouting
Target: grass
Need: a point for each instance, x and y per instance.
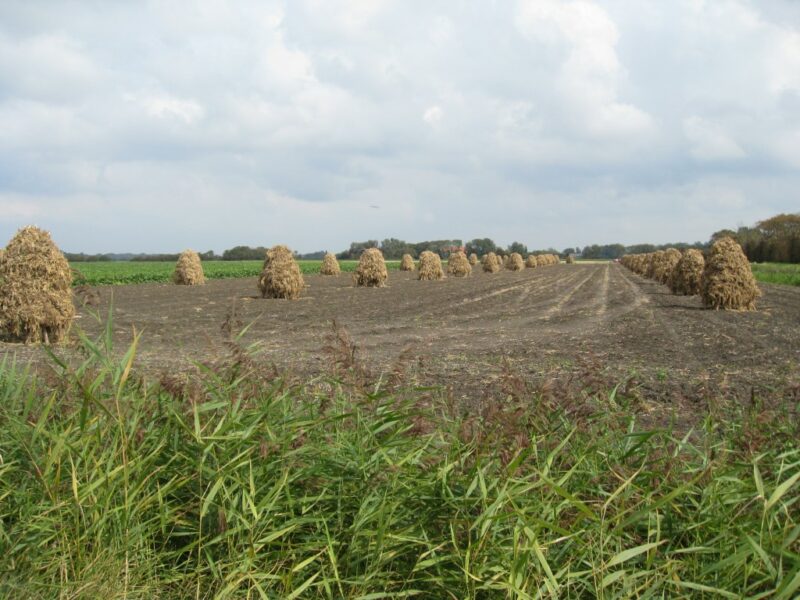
(782, 273)
(127, 272)
(237, 483)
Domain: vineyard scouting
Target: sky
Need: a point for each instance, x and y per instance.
(158, 126)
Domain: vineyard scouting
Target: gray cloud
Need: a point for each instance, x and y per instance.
(158, 126)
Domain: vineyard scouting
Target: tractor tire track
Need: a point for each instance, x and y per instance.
(662, 323)
(569, 295)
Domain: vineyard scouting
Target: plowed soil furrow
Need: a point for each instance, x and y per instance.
(460, 329)
(567, 297)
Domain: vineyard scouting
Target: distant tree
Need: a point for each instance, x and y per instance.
(481, 246)
(154, 257)
(517, 247)
(782, 236)
(780, 226)
(639, 249)
(244, 253)
(717, 235)
(776, 239)
(393, 248)
(440, 247)
(356, 248)
(81, 257)
(610, 251)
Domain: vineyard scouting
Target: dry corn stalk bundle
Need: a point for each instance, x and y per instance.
(473, 259)
(570, 259)
(458, 265)
(662, 271)
(430, 266)
(629, 261)
(371, 270)
(546, 260)
(687, 277)
(281, 276)
(407, 263)
(188, 269)
(642, 264)
(35, 288)
(728, 281)
(633, 262)
(330, 266)
(653, 265)
(531, 262)
(491, 264)
(515, 262)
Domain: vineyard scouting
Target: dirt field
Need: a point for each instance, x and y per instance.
(598, 318)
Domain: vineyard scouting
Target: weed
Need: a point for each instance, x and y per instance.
(111, 486)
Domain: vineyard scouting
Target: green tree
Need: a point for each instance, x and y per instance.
(393, 248)
(518, 247)
(481, 246)
(356, 248)
(244, 253)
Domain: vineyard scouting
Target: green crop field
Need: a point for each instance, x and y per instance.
(126, 272)
(783, 273)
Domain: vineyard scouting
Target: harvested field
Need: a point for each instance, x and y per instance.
(567, 318)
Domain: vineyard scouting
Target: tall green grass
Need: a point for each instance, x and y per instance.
(235, 483)
(782, 273)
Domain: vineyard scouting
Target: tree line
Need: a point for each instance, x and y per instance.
(776, 239)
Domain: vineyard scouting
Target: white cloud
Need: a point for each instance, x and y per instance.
(555, 123)
(13, 208)
(590, 74)
(47, 66)
(164, 106)
(348, 15)
(433, 115)
(786, 146)
(287, 66)
(709, 141)
(784, 62)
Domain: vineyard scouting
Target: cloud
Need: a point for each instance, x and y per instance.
(589, 74)
(433, 115)
(47, 66)
(554, 123)
(165, 106)
(709, 141)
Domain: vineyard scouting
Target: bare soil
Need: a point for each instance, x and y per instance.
(587, 320)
